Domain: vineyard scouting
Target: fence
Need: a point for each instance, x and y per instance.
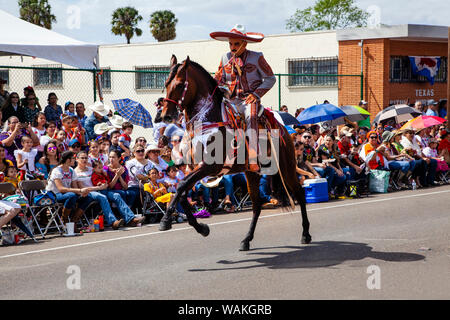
(146, 86)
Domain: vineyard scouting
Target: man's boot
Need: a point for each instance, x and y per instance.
(76, 218)
(253, 139)
(65, 215)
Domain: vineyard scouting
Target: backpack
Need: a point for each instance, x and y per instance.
(46, 198)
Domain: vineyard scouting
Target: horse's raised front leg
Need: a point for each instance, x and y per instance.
(253, 187)
(183, 188)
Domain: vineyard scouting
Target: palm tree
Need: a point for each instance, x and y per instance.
(162, 25)
(37, 12)
(124, 22)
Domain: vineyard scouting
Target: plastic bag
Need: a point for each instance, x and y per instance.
(379, 181)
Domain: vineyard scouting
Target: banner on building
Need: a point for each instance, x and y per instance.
(425, 66)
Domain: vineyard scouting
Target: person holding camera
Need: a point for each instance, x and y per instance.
(11, 137)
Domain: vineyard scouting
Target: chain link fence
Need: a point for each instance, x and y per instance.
(146, 85)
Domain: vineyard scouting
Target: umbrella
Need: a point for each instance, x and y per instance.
(133, 112)
(399, 113)
(290, 130)
(320, 113)
(286, 118)
(422, 122)
(352, 114)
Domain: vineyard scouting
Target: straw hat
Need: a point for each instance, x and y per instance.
(238, 32)
(116, 121)
(101, 128)
(152, 146)
(100, 108)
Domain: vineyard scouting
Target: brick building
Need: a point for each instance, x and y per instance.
(383, 55)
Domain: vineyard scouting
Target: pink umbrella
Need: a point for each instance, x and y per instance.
(422, 122)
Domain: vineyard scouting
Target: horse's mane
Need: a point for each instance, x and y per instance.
(218, 94)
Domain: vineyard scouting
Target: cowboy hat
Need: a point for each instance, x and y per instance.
(387, 136)
(152, 146)
(211, 182)
(238, 32)
(100, 108)
(116, 121)
(101, 128)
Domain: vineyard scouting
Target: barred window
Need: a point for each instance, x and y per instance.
(105, 78)
(151, 79)
(298, 67)
(48, 77)
(4, 74)
(401, 71)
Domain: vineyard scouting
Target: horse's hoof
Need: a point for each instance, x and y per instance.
(245, 246)
(306, 239)
(204, 229)
(165, 225)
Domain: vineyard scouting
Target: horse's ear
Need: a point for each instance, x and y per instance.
(173, 61)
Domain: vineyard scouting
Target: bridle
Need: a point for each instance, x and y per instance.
(179, 104)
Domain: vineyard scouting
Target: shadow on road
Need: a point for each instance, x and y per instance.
(316, 255)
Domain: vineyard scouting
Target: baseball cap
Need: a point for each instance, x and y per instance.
(74, 141)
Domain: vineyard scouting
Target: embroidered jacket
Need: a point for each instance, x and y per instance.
(248, 73)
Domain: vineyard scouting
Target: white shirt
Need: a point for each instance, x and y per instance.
(66, 178)
(84, 177)
(31, 156)
(411, 145)
(134, 168)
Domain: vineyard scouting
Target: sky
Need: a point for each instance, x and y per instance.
(90, 20)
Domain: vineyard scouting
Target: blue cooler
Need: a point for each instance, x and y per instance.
(316, 190)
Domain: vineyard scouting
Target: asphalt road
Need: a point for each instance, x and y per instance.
(389, 246)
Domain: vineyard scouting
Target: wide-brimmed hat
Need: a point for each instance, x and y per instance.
(101, 128)
(387, 136)
(116, 121)
(238, 32)
(100, 108)
(152, 146)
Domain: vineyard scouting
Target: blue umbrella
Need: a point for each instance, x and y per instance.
(320, 113)
(290, 130)
(133, 112)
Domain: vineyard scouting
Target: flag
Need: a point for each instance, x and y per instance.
(425, 66)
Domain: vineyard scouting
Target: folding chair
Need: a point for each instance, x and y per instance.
(242, 198)
(29, 189)
(151, 209)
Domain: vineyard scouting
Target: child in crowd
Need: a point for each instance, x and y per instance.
(157, 189)
(69, 109)
(104, 144)
(432, 153)
(94, 153)
(170, 180)
(63, 143)
(99, 176)
(25, 158)
(115, 141)
(11, 176)
(125, 140)
(77, 131)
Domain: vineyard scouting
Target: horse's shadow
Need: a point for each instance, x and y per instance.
(316, 255)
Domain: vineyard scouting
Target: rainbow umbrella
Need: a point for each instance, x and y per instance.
(422, 122)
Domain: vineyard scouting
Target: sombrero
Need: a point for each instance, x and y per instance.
(238, 32)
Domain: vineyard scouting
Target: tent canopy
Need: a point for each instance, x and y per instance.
(27, 39)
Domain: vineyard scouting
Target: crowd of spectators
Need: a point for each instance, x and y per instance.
(93, 158)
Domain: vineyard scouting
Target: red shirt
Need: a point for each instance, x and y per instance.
(98, 179)
(344, 149)
(444, 144)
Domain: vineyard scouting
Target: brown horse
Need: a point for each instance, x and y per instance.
(190, 88)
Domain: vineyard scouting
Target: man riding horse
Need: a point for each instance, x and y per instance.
(247, 77)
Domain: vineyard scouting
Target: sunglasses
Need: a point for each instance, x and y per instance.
(51, 148)
(373, 137)
(307, 137)
(178, 140)
(140, 151)
(142, 140)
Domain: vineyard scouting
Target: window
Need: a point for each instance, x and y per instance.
(155, 78)
(48, 77)
(400, 71)
(105, 79)
(4, 74)
(327, 65)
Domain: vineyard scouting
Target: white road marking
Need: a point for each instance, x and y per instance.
(221, 223)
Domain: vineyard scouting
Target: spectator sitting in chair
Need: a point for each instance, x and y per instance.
(345, 147)
(373, 153)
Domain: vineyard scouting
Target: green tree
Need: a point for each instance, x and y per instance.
(38, 12)
(163, 25)
(124, 22)
(328, 15)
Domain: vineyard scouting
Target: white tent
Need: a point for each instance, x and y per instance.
(23, 38)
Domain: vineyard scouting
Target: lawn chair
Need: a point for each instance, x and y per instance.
(152, 210)
(31, 188)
